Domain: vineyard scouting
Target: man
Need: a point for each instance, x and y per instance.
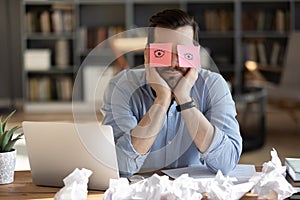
(174, 116)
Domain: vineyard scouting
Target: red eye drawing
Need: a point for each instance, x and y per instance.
(159, 53)
(188, 56)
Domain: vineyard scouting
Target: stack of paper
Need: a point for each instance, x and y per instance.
(293, 168)
(241, 173)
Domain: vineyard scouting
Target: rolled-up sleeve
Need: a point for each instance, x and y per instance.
(119, 115)
(226, 147)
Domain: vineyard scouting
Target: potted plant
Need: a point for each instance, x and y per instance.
(7, 151)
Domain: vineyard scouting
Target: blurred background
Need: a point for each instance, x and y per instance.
(44, 44)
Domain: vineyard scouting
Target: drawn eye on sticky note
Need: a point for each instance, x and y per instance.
(160, 54)
(188, 56)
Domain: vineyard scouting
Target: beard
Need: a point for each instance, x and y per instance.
(171, 75)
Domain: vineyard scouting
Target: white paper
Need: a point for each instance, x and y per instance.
(182, 188)
(241, 173)
(271, 182)
(193, 182)
(154, 187)
(75, 185)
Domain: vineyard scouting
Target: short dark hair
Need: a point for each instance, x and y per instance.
(171, 19)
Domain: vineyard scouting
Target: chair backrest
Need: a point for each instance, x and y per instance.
(291, 71)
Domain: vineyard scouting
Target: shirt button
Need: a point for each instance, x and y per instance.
(169, 142)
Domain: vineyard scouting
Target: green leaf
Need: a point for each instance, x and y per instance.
(7, 136)
(1, 127)
(6, 120)
(9, 146)
(2, 138)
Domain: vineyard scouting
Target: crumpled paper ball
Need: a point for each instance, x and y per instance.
(154, 187)
(271, 182)
(268, 184)
(75, 185)
(182, 188)
(222, 188)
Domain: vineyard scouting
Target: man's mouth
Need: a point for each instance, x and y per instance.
(171, 71)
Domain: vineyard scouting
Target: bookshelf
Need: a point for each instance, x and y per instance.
(48, 40)
(216, 33)
(265, 31)
(233, 31)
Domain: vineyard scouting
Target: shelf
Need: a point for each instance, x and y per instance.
(270, 69)
(53, 71)
(228, 28)
(49, 36)
(264, 34)
(97, 2)
(58, 107)
(216, 34)
(45, 2)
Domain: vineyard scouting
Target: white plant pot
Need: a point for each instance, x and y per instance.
(7, 166)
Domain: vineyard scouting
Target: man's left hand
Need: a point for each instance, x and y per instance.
(183, 88)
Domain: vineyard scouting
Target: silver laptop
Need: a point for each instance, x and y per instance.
(55, 149)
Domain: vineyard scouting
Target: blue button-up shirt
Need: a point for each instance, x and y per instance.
(127, 99)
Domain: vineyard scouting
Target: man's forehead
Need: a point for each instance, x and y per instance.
(182, 35)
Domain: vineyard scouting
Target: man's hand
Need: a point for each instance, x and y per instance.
(183, 88)
(159, 85)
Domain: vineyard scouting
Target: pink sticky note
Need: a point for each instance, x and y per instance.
(189, 56)
(160, 54)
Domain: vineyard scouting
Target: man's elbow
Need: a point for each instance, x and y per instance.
(225, 163)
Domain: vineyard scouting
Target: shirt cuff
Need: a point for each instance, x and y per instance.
(129, 160)
(216, 141)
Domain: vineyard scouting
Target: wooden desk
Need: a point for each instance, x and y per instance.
(23, 188)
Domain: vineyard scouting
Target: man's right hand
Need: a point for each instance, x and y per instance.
(159, 85)
(145, 133)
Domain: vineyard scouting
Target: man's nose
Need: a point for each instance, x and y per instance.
(175, 63)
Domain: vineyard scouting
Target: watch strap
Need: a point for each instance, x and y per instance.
(186, 105)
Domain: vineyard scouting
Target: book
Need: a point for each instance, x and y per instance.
(57, 22)
(252, 53)
(82, 39)
(67, 19)
(28, 21)
(275, 54)
(62, 53)
(293, 168)
(260, 21)
(262, 53)
(32, 23)
(37, 59)
(280, 22)
(45, 22)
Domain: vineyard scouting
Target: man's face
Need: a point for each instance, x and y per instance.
(180, 36)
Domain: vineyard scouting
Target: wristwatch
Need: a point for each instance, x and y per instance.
(186, 105)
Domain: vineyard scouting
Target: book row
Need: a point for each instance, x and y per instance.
(90, 37)
(257, 51)
(58, 19)
(278, 20)
(216, 20)
(50, 89)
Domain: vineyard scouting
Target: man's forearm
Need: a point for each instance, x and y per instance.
(145, 133)
(200, 129)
